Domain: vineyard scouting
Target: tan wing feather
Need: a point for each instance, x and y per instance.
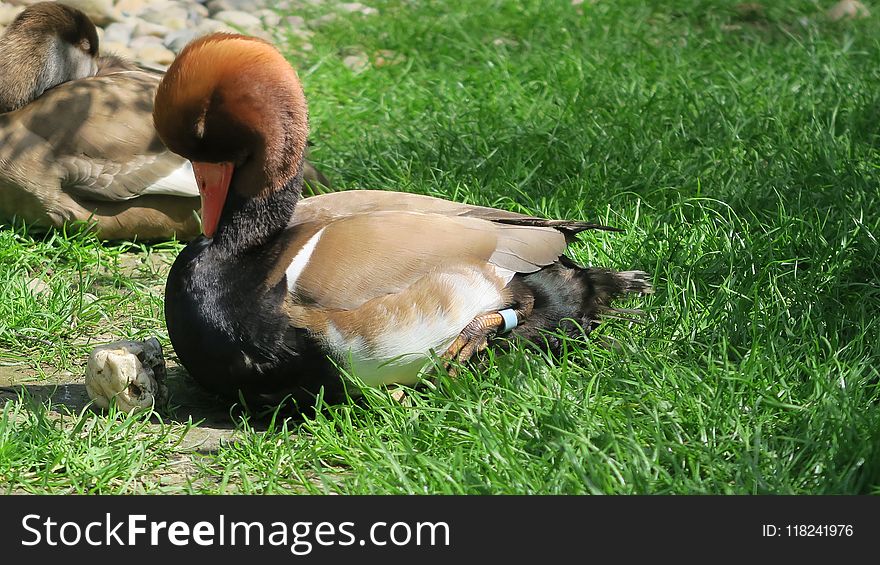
(364, 256)
(347, 203)
(101, 137)
(325, 207)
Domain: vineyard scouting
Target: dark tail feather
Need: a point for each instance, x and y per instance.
(574, 299)
(569, 227)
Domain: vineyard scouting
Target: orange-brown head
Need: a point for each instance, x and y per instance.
(233, 106)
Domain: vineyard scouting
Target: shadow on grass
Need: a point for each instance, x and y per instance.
(188, 401)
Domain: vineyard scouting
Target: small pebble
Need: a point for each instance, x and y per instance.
(116, 48)
(144, 27)
(848, 9)
(37, 287)
(238, 18)
(358, 7)
(156, 54)
(270, 18)
(138, 43)
(119, 32)
(357, 63)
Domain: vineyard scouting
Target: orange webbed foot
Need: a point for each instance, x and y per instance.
(472, 339)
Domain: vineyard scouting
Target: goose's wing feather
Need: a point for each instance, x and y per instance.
(102, 139)
(346, 262)
(351, 202)
(336, 205)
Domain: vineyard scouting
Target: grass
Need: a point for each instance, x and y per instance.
(42, 452)
(740, 151)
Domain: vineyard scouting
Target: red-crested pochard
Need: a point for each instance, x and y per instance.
(77, 141)
(278, 296)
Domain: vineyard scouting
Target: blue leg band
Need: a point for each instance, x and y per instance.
(510, 320)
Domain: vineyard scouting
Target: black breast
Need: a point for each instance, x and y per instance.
(231, 334)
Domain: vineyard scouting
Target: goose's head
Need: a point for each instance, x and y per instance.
(47, 44)
(233, 106)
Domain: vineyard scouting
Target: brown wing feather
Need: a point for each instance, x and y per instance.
(100, 135)
(341, 204)
(366, 255)
(525, 249)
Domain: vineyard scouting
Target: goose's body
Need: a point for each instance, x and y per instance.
(281, 295)
(77, 141)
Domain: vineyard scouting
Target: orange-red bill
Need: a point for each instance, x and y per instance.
(213, 180)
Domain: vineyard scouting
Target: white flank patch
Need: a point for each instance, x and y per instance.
(181, 182)
(301, 260)
(505, 275)
(404, 346)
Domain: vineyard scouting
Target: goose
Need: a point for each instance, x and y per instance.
(77, 143)
(280, 296)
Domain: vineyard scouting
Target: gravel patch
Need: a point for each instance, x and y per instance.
(154, 31)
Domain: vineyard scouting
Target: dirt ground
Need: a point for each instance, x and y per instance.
(68, 391)
(212, 423)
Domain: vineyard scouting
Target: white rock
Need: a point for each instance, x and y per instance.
(130, 372)
(357, 7)
(240, 19)
(119, 32)
(116, 48)
(270, 18)
(177, 40)
(144, 41)
(215, 6)
(300, 33)
(8, 13)
(358, 62)
(295, 22)
(154, 54)
(209, 26)
(849, 9)
(38, 287)
(198, 10)
(172, 16)
(144, 27)
(386, 57)
(325, 19)
(99, 11)
(129, 8)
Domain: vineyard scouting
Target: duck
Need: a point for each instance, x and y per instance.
(282, 297)
(78, 143)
